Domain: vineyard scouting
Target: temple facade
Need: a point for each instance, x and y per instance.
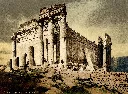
(50, 41)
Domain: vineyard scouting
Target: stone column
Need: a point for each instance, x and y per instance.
(107, 52)
(46, 49)
(14, 48)
(100, 52)
(108, 58)
(31, 56)
(50, 42)
(22, 60)
(63, 55)
(40, 46)
(45, 43)
(104, 58)
(14, 63)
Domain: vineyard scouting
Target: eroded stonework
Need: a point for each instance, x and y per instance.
(50, 41)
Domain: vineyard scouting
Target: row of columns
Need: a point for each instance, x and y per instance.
(28, 56)
(51, 47)
(50, 50)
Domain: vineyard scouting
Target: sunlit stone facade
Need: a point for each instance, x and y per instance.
(50, 41)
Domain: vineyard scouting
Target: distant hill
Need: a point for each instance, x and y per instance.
(119, 64)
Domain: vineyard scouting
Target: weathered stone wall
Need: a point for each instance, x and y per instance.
(80, 50)
(50, 40)
(29, 34)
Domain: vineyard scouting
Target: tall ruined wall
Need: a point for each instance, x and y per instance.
(29, 35)
(50, 40)
(80, 50)
(54, 18)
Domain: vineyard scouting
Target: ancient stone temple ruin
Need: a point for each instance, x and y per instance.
(50, 41)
